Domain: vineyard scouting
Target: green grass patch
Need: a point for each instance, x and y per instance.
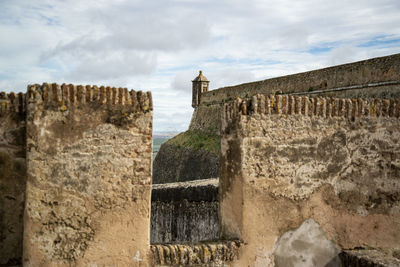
(157, 142)
(196, 140)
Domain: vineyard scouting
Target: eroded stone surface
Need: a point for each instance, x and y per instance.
(89, 179)
(12, 182)
(287, 159)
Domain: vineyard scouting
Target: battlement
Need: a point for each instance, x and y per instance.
(286, 105)
(373, 77)
(12, 103)
(64, 96)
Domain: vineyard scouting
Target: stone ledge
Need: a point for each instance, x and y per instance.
(196, 191)
(201, 254)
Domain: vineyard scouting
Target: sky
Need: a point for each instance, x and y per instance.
(161, 45)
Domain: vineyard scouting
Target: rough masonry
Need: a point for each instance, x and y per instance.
(88, 176)
(12, 176)
(289, 159)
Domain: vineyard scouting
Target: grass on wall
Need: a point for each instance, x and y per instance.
(196, 140)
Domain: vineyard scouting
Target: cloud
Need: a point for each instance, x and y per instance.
(230, 76)
(112, 66)
(183, 81)
(344, 54)
(294, 37)
(127, 40)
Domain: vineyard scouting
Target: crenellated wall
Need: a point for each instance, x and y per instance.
(372, 78)
(302, 178)
(379, 77)
(89, 153)
(12, 176)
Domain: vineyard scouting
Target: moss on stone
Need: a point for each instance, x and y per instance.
(196, 140)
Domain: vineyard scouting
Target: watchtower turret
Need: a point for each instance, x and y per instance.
(199, 85)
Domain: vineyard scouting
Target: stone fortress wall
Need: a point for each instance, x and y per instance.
(88, 177)
(12, 176)
(304, 178)
(305, 181)
(377, 78)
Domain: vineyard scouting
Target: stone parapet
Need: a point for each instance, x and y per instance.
(314, 106)
(377, 76)
(288, 160)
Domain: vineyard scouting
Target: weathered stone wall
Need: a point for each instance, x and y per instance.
(287, 160)
(206, 118)
(88, 176)
(185, 212)
(12, 177)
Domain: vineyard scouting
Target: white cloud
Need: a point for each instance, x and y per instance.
(182, 81)
(344, 54)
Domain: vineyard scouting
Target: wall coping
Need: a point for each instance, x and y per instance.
(195, 191)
